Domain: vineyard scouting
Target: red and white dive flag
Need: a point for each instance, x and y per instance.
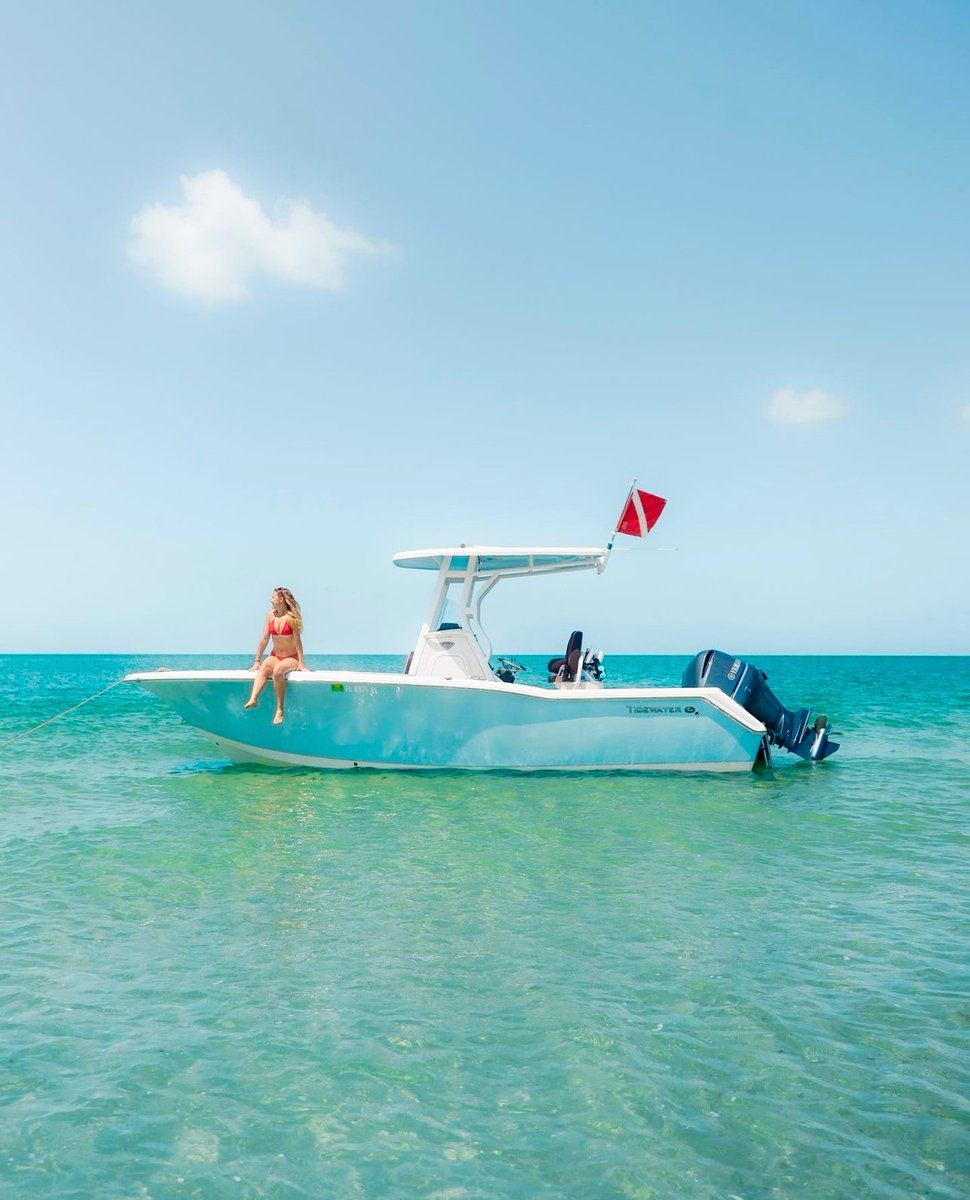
(640, 513)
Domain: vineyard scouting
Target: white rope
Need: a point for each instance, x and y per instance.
(58, 716)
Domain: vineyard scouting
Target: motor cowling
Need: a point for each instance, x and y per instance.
(745, 683)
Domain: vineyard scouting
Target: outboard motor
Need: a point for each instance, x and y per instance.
(745, 683)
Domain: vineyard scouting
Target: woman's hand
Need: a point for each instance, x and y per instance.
(255, 666)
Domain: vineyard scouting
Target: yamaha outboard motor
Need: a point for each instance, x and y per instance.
(746, 684)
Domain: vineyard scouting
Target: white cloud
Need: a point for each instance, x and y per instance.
(214, 243)
(803, 408)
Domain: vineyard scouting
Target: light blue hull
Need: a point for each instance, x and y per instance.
(340, 719)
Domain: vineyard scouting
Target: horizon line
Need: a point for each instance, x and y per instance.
(512, 653)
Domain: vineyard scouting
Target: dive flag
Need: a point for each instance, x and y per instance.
(640, 513)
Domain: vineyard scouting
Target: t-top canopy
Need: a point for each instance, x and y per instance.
(496, 560)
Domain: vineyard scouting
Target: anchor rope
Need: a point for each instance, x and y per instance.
(57, 716)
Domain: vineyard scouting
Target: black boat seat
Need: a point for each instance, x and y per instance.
(568, 668)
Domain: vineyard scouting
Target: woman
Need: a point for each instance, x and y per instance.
(284, 625)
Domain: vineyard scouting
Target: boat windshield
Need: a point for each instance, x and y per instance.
(449, 617)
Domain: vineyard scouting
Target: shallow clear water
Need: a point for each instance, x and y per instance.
(225, 981)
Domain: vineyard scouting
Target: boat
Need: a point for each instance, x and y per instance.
(453, 707)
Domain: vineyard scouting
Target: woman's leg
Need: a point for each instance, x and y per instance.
(280, 672)
(262, 675)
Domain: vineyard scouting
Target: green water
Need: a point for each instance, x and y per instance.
(223, 981)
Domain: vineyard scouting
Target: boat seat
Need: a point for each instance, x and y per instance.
(568, 668)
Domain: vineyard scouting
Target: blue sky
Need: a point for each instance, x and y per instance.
(287, 288)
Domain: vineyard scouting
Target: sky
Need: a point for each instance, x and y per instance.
(286, 288)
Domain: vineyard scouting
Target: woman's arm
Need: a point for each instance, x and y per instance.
(263, 643)
(301, 665)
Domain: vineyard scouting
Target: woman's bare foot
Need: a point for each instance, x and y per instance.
(278, 719)
(250, 704)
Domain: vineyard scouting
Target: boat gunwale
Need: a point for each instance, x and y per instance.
(714, 696)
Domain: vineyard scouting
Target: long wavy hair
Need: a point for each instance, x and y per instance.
(291, 609)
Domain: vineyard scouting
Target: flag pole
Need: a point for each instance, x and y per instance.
(609, 544)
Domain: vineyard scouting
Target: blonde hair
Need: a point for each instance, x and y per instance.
(290, 607)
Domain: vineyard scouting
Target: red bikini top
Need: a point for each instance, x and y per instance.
(286, 631)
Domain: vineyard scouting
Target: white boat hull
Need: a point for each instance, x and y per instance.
(347, 720)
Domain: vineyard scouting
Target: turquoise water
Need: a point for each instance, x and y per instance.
(226, 981)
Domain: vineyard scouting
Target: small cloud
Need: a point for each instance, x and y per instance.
(803, 408)
(214, 243)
